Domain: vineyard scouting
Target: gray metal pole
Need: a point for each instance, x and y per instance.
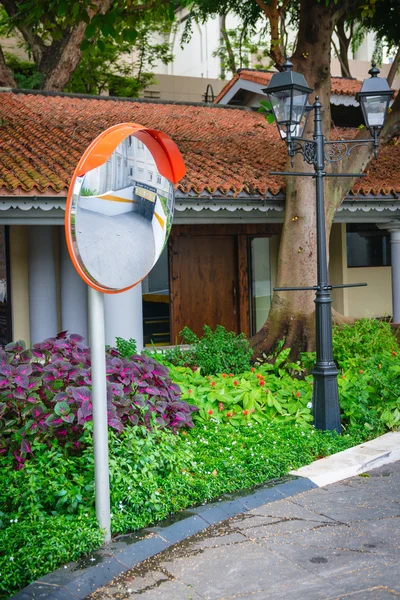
(326, 407)
(99, 400)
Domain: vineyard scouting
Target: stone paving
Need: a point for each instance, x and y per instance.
(337, 542)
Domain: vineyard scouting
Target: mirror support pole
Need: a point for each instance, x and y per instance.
(99, 400)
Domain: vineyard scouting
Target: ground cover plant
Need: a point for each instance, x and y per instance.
(153, 474)
(250, 426)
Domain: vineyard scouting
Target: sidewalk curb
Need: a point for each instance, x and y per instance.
(370, 455)
(78, 580)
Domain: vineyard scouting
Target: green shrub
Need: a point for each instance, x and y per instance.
(352, 344)
(32, 547)
(218, 351)
(127, 348)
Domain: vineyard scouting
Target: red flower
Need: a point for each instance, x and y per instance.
(213, 383)
(235, 382)
(261, 382)
(394, 353)
(259, 376)
(298, 394)
(210, 412)
(361, 371)
(245, 412)
(252, 369)
(230, 374)
(229, 414)
(189, 391)
(224, 375)
(221, 406)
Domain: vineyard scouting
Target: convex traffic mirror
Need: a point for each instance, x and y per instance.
(120, 206)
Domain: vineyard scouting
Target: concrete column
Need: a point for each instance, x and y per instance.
(394, 229)
(124, 316)
(42, 284)
(74, 299)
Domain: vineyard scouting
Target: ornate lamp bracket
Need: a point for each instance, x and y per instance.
(306, 148)
(335, 151)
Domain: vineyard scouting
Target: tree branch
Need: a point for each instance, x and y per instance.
(343, 69)
(6, 76)
(35, 43)
(344, 43)
(228, 45)
(394, 68)
(273, 14)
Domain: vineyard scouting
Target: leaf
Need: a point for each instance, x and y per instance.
(25, 447)
(68, 418)
(277, 406)
(62, 408)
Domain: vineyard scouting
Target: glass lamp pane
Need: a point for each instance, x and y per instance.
(374, 109)
(299, 105)
(280, 102)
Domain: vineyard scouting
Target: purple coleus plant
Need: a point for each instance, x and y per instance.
(45, 392)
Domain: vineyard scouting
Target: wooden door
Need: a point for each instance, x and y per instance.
(203, 283)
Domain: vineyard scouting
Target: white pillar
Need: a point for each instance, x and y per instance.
(74, 299)
(42, 284)
(395, 253)
(394, 229)
(124, 316)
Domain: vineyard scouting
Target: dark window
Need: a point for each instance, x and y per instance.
(5, 299)
(367, 246)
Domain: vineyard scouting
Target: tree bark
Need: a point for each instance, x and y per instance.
(344, 43)
(60, 59)
(394, 67)
(292, 313)
(6, 76)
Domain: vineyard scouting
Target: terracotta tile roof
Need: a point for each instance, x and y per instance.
(340, 85)
(226, 151)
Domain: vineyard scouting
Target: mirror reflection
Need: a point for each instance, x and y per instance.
(121, 216)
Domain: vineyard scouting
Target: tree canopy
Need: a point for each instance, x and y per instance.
(55, 33)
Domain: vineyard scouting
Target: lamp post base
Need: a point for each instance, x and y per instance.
(326, 409)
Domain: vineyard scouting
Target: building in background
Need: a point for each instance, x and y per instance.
(220, 264)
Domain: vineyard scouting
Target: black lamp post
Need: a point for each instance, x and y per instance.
(288, 92)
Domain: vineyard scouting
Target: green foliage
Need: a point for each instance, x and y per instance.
(123, 68)
(266, 109)
(30, 548)
(216, 351)
(258, 395)
(353, 344)
(127, 348)
(121, 42)
(26, 73)
(219, 351)
(152, 475)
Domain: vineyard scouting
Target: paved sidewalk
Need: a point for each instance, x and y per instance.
(337, 542)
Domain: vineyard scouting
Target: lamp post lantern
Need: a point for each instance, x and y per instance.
(288, 93)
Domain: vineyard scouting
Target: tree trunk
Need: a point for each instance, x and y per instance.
(6, 76)
(292, 314)
(60, 59)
